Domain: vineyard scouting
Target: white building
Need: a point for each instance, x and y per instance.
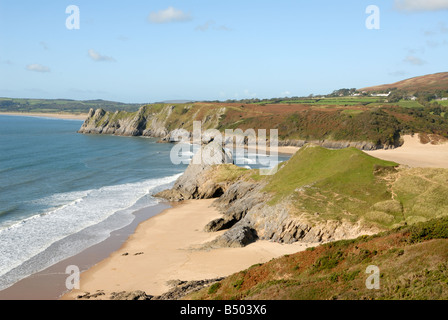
(380, 94)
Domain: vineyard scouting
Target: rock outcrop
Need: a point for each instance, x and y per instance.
(142, 123)
(246, 213)
(168, 124)
(180, 288)
(331, 144)
(234, 204)
(276, 223)
(197, 182)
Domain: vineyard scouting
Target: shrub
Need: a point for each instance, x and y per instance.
(214, 288)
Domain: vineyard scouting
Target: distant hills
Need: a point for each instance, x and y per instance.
(428, 83)
(62, 105)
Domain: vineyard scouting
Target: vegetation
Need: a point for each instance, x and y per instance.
(412, 261)
(348, 184)
(62, 105)
(343, 115)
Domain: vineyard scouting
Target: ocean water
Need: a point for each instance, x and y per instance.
(62, 192)
(56, 183)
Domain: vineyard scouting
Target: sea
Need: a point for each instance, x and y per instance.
(62, 192)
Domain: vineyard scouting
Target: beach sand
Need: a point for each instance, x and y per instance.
(165, 248)
(68, 116)
(165, 243)
(413, 153)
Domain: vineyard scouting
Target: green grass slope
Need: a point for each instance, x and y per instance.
(412, 261)
(348, 184)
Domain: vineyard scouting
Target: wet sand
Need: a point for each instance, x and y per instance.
(49, 284)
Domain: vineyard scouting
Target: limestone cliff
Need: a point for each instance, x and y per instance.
(172, 123)
(247, 214)
(318, 195)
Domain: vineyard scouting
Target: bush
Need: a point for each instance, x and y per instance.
(328, 261)
(434, 229)
(214, 288)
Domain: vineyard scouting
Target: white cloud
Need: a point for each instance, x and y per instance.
(37, 68)
(168, 15)
(421, 5)
(414, 60)
(98, 57)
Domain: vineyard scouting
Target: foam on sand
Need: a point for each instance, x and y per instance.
(86, 218)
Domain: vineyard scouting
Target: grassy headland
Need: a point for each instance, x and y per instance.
(412, 261)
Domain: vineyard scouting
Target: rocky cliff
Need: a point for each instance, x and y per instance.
(318, 195)
(172, 123)
(247, 214)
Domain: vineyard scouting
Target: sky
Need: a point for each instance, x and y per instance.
(148, 51)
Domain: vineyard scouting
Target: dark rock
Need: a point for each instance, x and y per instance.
(197, 181)
(236, 237)
(182, 288)
(133, 295)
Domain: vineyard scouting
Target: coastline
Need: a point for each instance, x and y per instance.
(163, 247)
(66, 116)
(49, 284)
(167, 247)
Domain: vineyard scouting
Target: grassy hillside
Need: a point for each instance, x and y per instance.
(377, 120)
(412, 260)
(350, 185)
(318, 184)
(376, 125)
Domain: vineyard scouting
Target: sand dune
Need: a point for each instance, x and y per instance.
(413, 153)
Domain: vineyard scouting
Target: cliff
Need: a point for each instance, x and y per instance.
(319, 195)
(171, 123)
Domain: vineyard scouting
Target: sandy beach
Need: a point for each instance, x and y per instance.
(67, 116)
(413, 153)
(165, 248)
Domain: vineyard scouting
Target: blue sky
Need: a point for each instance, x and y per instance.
(148, 51)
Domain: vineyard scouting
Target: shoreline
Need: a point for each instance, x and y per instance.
(167, 247)
(49, 284)
(66, 116)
